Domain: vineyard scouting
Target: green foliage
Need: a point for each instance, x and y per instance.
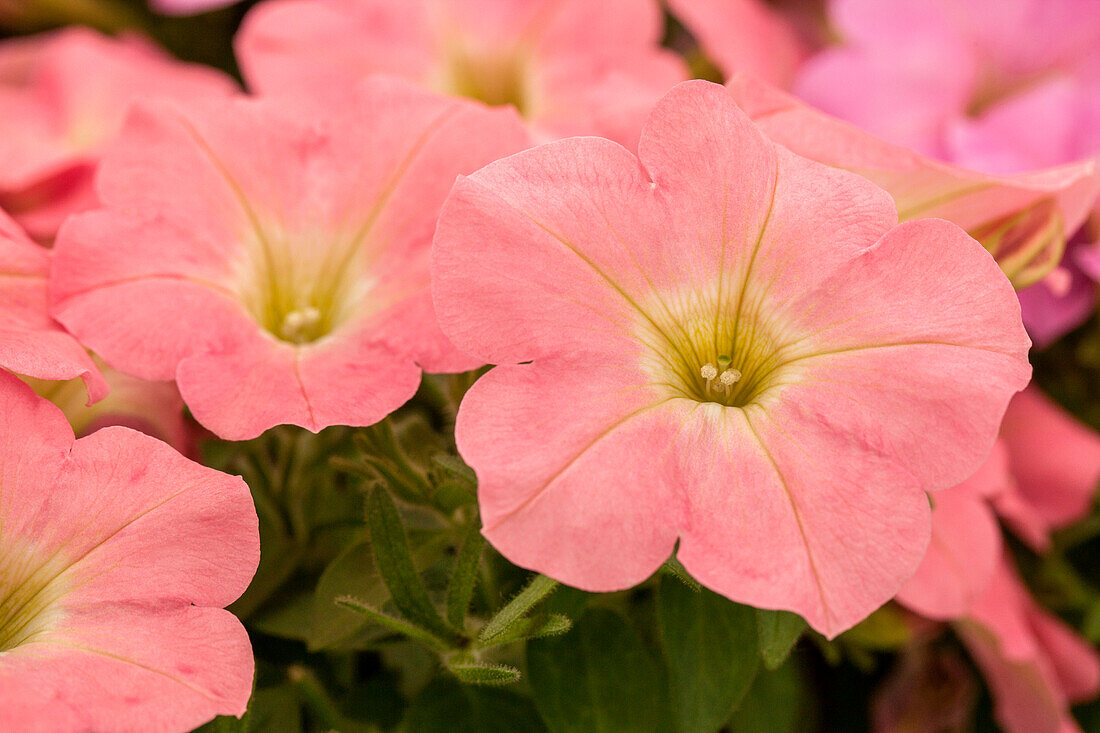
(446, 706)
(599, 678)
(779, 631)
(711, 647)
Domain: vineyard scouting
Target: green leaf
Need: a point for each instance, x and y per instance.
(446, 706)
(464, 576)
(599, 678)
(289, 616)
(777, 702)
(351, 574)
(397, 625)
(711, 647)
(676, 569)
(778, 631)
(456, 468)
(539, 587)
(531, 627)
(482, 673)
(395, 563)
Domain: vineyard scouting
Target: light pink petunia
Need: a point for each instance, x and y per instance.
(1023, 220)
(63, 97)
(733, 347)
(744, 36)
(1035, 665)
(31, 342)
(116, 558)
(271, 255)
(571, 67)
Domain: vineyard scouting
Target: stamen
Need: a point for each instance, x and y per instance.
(729, 378)
(709, 372)
(297, 324)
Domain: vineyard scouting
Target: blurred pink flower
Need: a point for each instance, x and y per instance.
(31, 342)
(1022, 219)
(1036, 666)
(272, 255)
(116, 558)
(733, 347)
(744, 36)
(1041, 475)
(571, 67)
(63, 97)
(1001, 86)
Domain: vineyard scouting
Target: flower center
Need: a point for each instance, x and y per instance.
(301, 289)
(30, 586)
(710, 349)
(494, 77)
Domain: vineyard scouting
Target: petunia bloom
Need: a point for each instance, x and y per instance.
(1035, 665)
(116, 558)
(1041, 475)
(31, 342)
(1024, 220)
(271, 255)
(732, 348)
(571, 67)
(63, 97)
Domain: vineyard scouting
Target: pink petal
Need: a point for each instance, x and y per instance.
(32, 343)
(961, 558)
(771, 522)
(1056, 463)
(571, 503)
(970, 331)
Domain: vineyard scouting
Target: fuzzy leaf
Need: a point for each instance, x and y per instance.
(464, 576)
(539, 587)
(481, 673)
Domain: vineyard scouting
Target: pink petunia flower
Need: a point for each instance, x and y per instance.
(1023, 219)
(271, 255)
(116, 558)
(571, 67)
(733, 348)
(744, 36)
(63, 97)
(31, 342)
(1041, 475)
(1035, 665)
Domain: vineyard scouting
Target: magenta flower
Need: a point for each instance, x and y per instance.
(271, 255)
(732, 348)
(116, 558)
(1035, 665)
(31, 342)
(1024, 219)
(571, 67)
(63, 97)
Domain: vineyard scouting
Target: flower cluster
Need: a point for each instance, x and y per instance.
(502, 271)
